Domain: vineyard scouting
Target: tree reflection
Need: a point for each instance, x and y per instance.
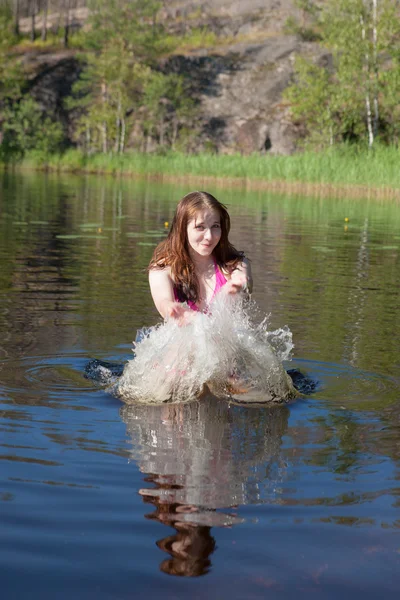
(202, 460)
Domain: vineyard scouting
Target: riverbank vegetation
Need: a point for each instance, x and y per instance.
(347, 165)
(351, 94)
(126, 113)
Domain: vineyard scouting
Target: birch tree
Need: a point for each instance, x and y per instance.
(103, 97)
(364, 39)
(45, 8)
(16, 6)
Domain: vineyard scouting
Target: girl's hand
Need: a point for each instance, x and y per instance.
(179, 312)
(235, 286)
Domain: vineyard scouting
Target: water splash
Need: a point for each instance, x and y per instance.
(224, 350)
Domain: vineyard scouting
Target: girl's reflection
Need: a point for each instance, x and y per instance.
(192, 544)
(200, 457)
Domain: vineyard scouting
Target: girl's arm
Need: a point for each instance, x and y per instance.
(241, 279)
(162, 292)
(242, 275)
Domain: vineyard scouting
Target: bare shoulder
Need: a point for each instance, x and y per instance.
(160, 275)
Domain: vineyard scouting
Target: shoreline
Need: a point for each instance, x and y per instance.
(302, 188)
(341, 172)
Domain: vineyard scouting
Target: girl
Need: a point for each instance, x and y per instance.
(192, 274)
(196, 261)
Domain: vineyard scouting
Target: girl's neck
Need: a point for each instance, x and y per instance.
(203, 263)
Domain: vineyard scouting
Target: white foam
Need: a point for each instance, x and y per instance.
(225, 350)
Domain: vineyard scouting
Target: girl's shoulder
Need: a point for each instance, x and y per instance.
(161, 282)
(161, 270)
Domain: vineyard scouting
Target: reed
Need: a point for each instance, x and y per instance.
(342, 167)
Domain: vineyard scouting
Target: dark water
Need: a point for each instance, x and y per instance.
(103, 501)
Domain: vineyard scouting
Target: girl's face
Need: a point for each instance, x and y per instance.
(204, 232)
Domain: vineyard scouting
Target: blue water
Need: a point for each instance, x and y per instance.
(212, 500)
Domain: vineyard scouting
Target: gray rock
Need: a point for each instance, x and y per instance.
(237, 84)
(240, 94)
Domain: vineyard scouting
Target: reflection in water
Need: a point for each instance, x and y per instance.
(192, 544)
(201, 457)
(174, 363)
(330, 519)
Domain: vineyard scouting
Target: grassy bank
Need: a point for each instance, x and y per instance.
(344, 167)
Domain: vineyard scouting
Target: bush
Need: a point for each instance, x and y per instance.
(25, 128)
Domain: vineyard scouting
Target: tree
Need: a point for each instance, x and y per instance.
(103, 96)
(33, 11)
(67, 6)
(364, 38)
(312, 102)
(44, 22)
(167, 104)
(129, 20)
(120, 87)
(11, 73)
(27, 128)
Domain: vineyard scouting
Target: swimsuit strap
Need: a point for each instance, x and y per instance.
(190, 303)
(220, 281)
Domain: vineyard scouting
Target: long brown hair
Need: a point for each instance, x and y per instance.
(174, 251)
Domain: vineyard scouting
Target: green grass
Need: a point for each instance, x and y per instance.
(194, 39)
(344, 165)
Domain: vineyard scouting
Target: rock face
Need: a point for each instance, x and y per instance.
(237, 82)
(240, 94)
(52, 77)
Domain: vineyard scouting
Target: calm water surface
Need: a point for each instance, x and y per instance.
(206, 500)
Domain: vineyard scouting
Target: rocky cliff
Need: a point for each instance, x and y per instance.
(238, 82)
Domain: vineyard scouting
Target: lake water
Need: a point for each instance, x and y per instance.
(203, 500)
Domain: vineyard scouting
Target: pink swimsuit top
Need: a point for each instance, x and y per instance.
(220, 281)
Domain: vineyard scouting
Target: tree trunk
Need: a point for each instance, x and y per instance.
(44, 22)
(33, 14)
(117, 134)
(88, 140)
(16, 17)
(118, 126)
(67, 4)
(104, 136)
(367, 85)
(122, 140)
(369, 120)
(375, 64)
(59, 19)
(147, 143)
(161, 131)
(174, 131)
(103, 128)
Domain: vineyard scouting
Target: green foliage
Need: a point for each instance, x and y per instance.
(103, 95)
(198, 37)
(133, 21)
(11, 75)
(312, 102)
(307, 26)
(121, 96)
(307, 34)
(168, 105)
(25, 128)
(354, 98)
(7, 36)
(338, 165)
